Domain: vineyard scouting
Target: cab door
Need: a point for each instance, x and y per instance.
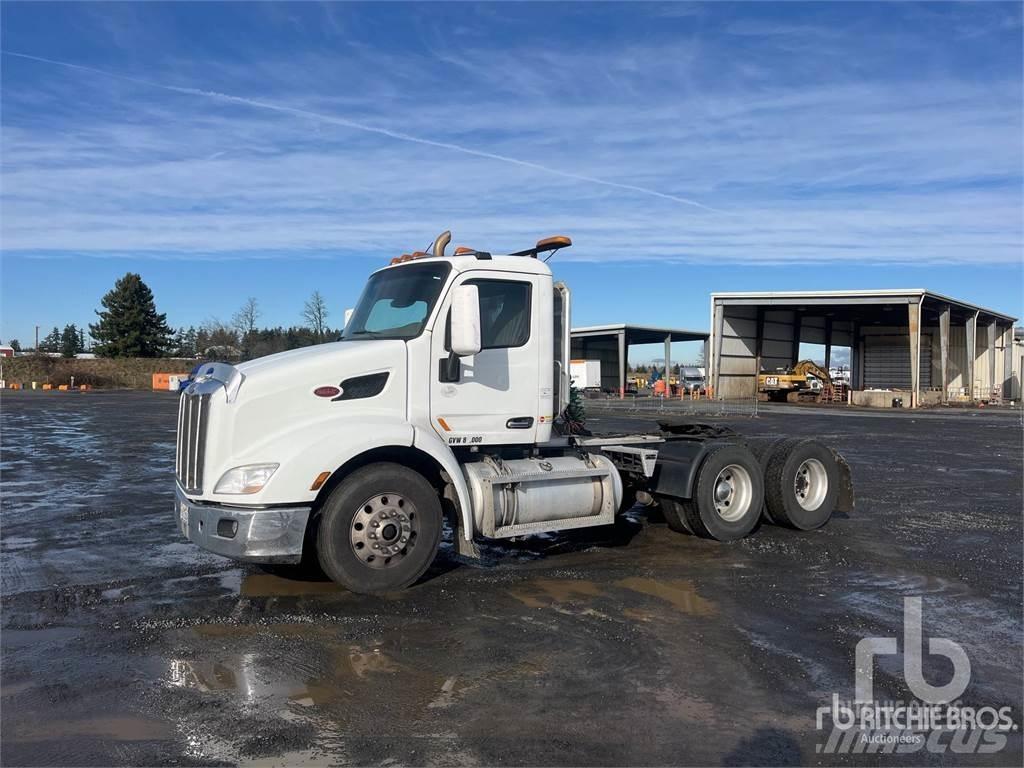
(492, 396)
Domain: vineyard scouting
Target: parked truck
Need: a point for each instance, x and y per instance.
(444, 398)
(585, 375)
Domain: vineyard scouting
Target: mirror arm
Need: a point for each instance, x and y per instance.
(451, 368)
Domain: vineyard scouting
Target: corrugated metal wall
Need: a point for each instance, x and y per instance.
(887, 361)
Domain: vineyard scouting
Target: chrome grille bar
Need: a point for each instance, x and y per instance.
(191, 442)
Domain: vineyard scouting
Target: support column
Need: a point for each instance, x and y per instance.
(622, 365)
(914, 335)
(971, 328)
(716, 353)
(758, 346)
(991, 358)
(668, 366)
(856, 365)
(797, 320)
(944, 351)
(828, 343)
(1008, 363)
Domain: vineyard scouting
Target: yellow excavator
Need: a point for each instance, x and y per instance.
(791, 384)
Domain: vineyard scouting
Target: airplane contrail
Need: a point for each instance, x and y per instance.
(355, 125)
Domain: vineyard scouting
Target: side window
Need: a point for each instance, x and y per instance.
(504, 314)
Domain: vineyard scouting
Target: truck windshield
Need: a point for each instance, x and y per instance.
(396, 303)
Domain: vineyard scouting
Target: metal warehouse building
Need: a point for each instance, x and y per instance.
(959, 351)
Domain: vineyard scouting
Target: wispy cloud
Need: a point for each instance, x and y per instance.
(360, 126)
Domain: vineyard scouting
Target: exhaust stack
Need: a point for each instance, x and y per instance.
(437, 249)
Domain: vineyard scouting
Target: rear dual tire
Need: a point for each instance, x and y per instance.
(727, 499)
(801, 481)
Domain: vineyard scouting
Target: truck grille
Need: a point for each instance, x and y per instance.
(193, 412)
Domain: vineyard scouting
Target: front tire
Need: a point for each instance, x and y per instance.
(379, 529)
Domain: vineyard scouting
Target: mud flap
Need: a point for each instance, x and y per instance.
(845, 500)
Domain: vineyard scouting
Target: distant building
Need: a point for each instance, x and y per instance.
(6, 351)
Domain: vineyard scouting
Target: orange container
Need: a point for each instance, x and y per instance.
(47, 387)
(163, 380)
(14, 386)
(85, 387)
(63, 387)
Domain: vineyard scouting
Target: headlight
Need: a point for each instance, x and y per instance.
(248, 479)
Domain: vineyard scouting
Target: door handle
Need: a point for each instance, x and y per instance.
(520, 422)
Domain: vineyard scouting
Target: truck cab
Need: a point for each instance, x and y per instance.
(445, 362)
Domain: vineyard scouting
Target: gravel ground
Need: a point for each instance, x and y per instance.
(124, 644)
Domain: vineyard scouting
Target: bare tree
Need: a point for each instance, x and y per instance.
(244, 320)
(315, 314)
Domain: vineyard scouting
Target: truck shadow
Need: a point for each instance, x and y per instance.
(308, 577)
(494, 553)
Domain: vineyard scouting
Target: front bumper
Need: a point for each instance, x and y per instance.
(272, 535)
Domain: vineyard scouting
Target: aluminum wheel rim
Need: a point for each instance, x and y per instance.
(810, 484)
(733, 492)
(384, 530)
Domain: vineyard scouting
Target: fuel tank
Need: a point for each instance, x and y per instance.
(531, 492)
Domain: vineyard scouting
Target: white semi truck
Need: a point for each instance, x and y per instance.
(444, 398)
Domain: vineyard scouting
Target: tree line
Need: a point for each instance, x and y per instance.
(129, 325)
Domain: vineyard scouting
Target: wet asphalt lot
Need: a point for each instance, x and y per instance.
(124, 644)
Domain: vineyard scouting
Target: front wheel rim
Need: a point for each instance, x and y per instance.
(384, 530)
(810, 484)
(733, 491)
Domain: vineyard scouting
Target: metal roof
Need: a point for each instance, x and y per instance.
(639, 334)
(849, 297)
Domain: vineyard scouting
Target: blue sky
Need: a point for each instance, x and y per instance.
(267, 150)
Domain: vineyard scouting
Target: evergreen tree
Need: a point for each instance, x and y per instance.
(69, 341)
(129, 324)
(15, 345)
(575, 415)
(184, 342)
(51, 342)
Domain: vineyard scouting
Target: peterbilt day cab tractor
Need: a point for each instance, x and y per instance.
(444, 396)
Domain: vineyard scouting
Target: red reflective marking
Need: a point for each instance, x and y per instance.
(326, 391)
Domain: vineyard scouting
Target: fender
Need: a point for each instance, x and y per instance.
(325, 453)
(432, 445)
(675, 473)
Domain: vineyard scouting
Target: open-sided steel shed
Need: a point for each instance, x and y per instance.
(885, 330)
(610, 344)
